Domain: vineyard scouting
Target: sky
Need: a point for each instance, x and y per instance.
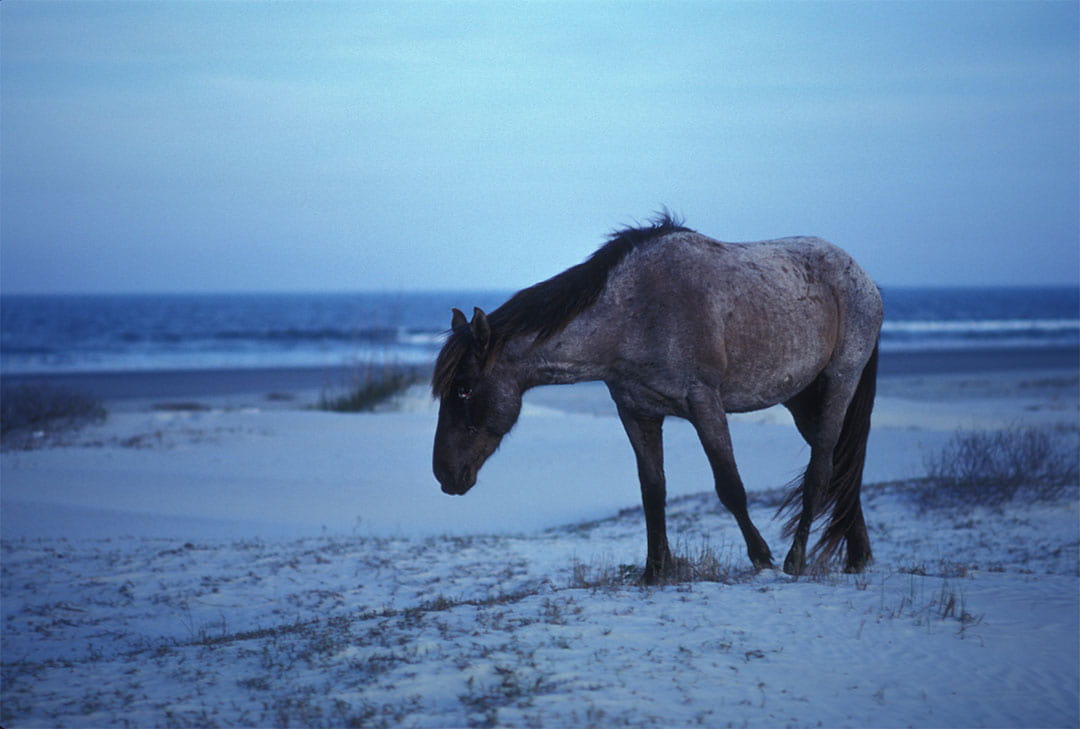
(213, 146)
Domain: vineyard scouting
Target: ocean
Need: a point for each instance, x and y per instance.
(124, 333)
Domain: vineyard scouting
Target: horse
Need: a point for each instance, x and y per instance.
(678, 324)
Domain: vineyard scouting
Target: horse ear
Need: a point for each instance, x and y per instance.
(458, 322)
(481, 330)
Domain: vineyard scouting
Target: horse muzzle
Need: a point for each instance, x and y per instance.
(456, 490)
(456, 484)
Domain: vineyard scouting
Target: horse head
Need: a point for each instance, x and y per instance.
(480, 400)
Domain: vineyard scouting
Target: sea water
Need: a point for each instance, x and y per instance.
(100, 333)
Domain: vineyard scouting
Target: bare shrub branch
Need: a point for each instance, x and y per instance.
(992, 468)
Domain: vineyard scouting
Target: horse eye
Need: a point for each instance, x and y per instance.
(464, 393)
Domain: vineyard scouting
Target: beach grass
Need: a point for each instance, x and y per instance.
(369, 385)
(33, 410)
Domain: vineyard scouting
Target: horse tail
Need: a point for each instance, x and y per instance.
(842, 495)
(848, 460)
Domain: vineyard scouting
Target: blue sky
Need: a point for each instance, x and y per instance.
(369, 146)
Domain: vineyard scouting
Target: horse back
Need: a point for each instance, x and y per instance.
(757, 321)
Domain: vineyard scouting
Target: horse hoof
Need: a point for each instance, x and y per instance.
(854, 567)
(650, 576)
(794, 567)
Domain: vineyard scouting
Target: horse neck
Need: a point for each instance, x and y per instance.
(563, 359)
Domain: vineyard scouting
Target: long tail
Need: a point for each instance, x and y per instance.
(842, 496)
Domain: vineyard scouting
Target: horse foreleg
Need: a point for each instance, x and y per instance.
(646, 437)
(710, 421)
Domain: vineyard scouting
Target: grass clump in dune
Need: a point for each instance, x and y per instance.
(29, 412)
(701, 563)
(371, 385)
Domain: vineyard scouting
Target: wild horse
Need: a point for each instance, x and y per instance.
(676, 323)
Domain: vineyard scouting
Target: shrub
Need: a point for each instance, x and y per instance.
(993, 467)
(30, 407)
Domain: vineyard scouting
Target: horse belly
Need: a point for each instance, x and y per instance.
(772, 357)
(742, 394)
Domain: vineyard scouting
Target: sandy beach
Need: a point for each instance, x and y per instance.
(214, 518)
(244, 446)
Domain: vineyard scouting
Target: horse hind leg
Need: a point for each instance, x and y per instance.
(818, 412)
(833, 417)
(814, 483)
(710, 421)
(857, 538)
(847, 522)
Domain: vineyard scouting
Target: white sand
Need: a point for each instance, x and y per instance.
(244, 469)
(152, 574)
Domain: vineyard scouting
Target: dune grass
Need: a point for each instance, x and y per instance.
(30, 412)
(370, 385)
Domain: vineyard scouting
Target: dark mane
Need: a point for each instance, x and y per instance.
(545, 309)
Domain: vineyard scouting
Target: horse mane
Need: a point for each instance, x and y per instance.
(546, 308)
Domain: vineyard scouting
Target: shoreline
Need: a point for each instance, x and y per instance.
(289, 384)
(271, 382)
